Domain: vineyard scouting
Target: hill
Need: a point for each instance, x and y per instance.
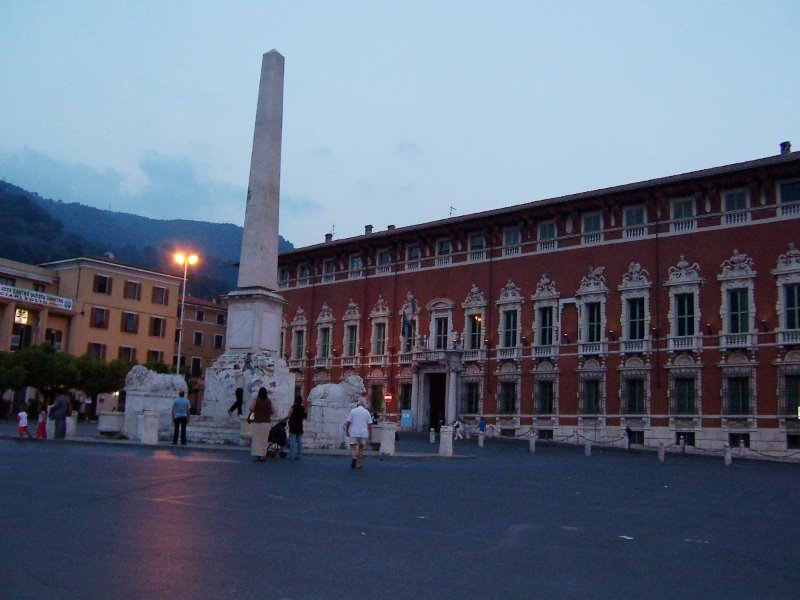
(72, 229)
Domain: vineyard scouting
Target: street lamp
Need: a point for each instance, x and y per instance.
(185, 260)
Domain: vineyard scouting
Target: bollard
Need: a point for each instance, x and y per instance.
(480, 439)
(433, 436)
(627, 442)
(446, 441)
(532, 441)
(661, 451)
(741, 447)
(587, 447)
(683, 444)
(727, 455)
(72, 424)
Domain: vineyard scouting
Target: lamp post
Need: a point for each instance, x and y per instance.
(185, 260)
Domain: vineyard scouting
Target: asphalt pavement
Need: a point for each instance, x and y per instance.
(88, 519)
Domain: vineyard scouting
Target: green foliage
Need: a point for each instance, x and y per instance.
(12, 375)
(100, 377)
(47, 370)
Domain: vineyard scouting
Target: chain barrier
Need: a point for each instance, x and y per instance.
(686, 449)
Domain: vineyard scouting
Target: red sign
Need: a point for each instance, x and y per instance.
(387, 397)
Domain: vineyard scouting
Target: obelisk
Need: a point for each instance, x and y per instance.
(254, 309)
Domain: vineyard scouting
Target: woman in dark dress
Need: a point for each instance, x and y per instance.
(259, 429)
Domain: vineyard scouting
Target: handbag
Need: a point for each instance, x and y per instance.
(251, 417)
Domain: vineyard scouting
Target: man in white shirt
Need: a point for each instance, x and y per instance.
(358, 429)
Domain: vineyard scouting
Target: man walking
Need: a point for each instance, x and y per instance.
(58, 414)
(180, 417)
(238, 382)
(358, 429)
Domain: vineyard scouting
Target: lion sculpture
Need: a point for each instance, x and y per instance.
(328, 407)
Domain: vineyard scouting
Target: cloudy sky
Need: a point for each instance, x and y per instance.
(394, 112)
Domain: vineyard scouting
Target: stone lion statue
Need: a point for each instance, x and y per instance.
(344, 394)
(142, 379)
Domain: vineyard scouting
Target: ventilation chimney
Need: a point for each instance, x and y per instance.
(390, 228)
(786, 147)
(328, 237)
(367, 229)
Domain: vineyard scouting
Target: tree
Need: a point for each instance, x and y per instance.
(47, 370)
(12, 376)
(100, 377)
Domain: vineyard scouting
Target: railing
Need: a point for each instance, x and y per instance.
(683, 342)
(296, 363)
(406, 358)
(431, 355)
(736, 340)
(512, 250)
(355, 274)
(545, 245)
(383, 269)
(790, 208)
(378, 360)
(328, 278)
(544, 351)
(734, 218)
(476, 255)
(443, 261)
(509, 353)
(349, 361)
(592, 238)
(592, 348)
(635, 232)
(412, 265)
(629, 346)
(322, 363)
(302, 281)
(474, 355)
(683, 225)
(789, 336)
(283, 285)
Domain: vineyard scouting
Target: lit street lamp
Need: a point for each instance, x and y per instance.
(185, 260)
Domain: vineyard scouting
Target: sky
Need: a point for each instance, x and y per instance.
(397, 112)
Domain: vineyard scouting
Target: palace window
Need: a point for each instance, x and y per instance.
(544, 397)
(298, 344)
(545, 324)
(634, 400)
(684, 315)
(283, 278)
(328, 270)
(442, 325)
(591, 228)
(477, 247)
(634, 221)
(157, 357)
(787, 308)
(412, 258)
(737, 395)
(384, 261)
(197, 367)
(789, 395)
(683, 214)
(684, 396)
(126, 354)
(197, 340)
(302, 274)
(471, 399)
(636, 319)
(737, 307)
(507, 398)
(96, 351)
(350, 340)
(324, 342)
(511, 241)
(791, 294)
(200, 316)
(218, 341)
(379, 338)
(789, 193)
(509, 333)
(443, 250)
(546, 235)
(594, 322)
(590, 399)
(356, 265)
(158, 327)
(735, 206)
(474, 339)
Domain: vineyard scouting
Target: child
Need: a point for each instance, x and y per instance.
(41, 424)
(22, 422)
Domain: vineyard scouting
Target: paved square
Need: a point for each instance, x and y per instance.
(95, 521)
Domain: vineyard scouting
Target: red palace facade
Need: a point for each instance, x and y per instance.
(669, 309)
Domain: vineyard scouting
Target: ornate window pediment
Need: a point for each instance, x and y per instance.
(635, 279)
(474, 299)
(352, 313)
(684, 274)
(299, 318)
(545, 289)
(325, 315)
(380, 309)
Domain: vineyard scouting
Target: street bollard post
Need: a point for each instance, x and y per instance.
(727, 455)
(683, 444)
(532, 441)
(661, 451)
(587, 447)
(433, 436)
(741, 447)
(480, 439)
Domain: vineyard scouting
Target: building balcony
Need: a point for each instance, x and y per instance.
(412, 265)
(296, 363)
(349, 361)
(548, 351)
(683, 225)
(635, 232)
(737, 340)
(634, 346)
(736, 218)
(545, 245)
(474, 355)
(443, 261)
(378, 360)
(476, 255)
(406, 358)
(684, 343)
(592, 348)
(509, 353)
(328, 278)
(788, 337)
(590, 239)
(790, 208)
(384, 269)
(322, 363)
(431, 356)
(514, 250)
(355, 274)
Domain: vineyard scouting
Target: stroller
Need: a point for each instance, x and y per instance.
(277, 439)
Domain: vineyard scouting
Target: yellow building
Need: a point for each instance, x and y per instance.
(204, 324)
(118, 311)
(32, 308)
